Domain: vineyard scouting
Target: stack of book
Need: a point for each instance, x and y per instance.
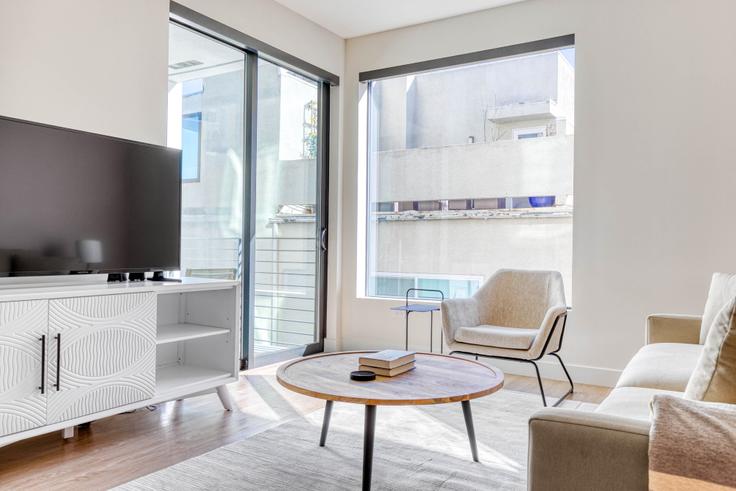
(388, 363)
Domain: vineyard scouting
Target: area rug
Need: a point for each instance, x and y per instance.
(415, 448)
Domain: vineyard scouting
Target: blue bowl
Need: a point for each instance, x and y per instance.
(541, 201)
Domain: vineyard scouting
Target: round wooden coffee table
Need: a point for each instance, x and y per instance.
(437, 379)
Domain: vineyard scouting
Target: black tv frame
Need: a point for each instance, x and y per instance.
(177, 267)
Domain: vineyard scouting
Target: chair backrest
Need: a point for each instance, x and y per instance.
(519, 298)
(722, 290)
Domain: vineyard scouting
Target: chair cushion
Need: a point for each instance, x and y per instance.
(497, 336)
(714, 377)
(665, 366)
(632, 402)
(722, 290)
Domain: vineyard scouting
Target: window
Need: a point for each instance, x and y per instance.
(446, 211)
(205, 121)
(396, 285)
(525, 133)
(191, 125)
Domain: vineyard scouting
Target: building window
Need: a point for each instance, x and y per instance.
(526, 133)
(191, 137)
(451, 210)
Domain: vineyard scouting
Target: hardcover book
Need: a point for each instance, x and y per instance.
(386, 372)
(388, 359)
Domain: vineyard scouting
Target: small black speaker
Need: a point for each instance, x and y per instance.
(117, 277)
(136, 276)
(362, 376)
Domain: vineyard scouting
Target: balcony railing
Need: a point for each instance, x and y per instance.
(284, 282)
(285, 290)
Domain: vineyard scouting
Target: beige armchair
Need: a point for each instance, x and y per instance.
(516, 315)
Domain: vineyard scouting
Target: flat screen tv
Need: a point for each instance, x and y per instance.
(76, 202)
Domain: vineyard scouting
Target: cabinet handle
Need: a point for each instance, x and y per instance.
(58, 362)
(43, 364)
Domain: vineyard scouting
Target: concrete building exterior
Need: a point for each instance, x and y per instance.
(456, 156)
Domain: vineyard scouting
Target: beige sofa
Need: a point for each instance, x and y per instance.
(608, 449)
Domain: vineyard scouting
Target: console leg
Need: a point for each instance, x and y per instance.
(67, 433)
(225, 398)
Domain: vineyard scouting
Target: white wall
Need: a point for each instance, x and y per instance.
(94, 65)
(654, 165)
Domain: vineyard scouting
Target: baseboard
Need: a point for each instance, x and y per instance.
(550, 368)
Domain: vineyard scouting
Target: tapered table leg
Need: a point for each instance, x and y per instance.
(471, 430)
(325, 423)
(368, 433)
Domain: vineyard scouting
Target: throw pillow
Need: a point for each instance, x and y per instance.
(714, 377)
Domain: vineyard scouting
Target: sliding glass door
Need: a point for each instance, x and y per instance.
(206, 121)
(287, 234)
(254, 187)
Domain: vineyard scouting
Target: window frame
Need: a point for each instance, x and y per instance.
(368, 78)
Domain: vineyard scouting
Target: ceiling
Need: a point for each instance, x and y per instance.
(351, 18)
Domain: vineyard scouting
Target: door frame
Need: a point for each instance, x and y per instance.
(254, 49)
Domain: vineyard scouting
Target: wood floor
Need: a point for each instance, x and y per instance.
(118, 449)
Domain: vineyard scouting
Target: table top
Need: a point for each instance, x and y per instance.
(418, 307)
(437, 379)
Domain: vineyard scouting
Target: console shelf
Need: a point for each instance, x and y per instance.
(177, 377)
(173, 333)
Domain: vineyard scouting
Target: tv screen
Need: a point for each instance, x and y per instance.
(76, 202)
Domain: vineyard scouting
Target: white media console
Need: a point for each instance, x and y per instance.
(74, 353)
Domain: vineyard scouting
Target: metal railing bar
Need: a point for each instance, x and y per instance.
(292, 274)
(286, 250)
(311, 323)
(276, 295)
(286, 238)
(283, 332)
(285, 262)
(282, 308)
(284, 285)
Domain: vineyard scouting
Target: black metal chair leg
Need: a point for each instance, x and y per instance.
(564, 368)
(539, 380)
(569, 379)
(431, 331)
(368, 435)
(471, 429)
(406, 339)
(325, 423)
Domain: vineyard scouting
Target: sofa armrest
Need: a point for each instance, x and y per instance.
(459, 312)
(673, 328)
(580, 450)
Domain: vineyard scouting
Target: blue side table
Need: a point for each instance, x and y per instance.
(408, 308)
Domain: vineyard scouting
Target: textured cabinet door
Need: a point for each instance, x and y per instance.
(107, 350)
(22, 406)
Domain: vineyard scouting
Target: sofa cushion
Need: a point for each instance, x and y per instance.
(632, 402)
(714, 378)
(501, 337)
(666, 366)
(722, 290)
